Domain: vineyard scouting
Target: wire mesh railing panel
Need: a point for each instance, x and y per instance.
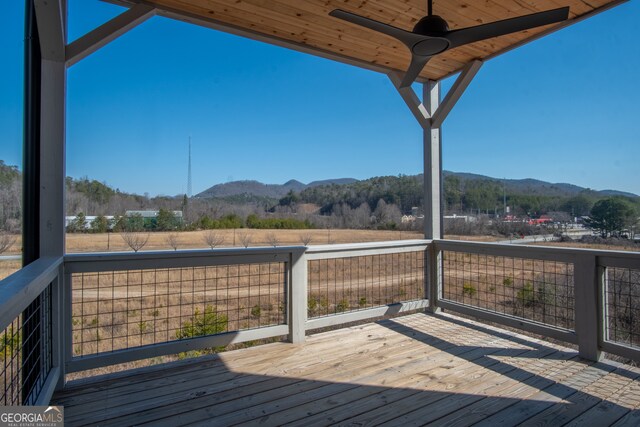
(536, 290)
(11, 374)
(26, 353)
(118, 310)
(338, 285)
(622, 311)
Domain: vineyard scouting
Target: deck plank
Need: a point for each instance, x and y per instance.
(339, 364)
(614, 383)
(413, 370)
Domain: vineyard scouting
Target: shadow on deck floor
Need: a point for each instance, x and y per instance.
(412, 370)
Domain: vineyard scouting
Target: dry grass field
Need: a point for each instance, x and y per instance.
(114, 242)
(109, 242)
(8, 267)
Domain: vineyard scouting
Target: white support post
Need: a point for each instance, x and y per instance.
(297, 295)
(107, 32)
(587, 277)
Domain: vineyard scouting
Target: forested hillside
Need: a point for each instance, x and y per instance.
(463, 193)
(377, 202)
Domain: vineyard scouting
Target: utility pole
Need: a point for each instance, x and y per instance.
(189, 171)
(504, 196)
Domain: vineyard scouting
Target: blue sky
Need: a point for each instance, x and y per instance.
(562, 109)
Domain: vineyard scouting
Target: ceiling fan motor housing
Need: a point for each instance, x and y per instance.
(433, 26)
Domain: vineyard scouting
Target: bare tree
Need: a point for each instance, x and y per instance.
(136, 241)
(213, 238)
(273, 240)
(305, 238)
(172, 240)
(245, 239)
(6, 241)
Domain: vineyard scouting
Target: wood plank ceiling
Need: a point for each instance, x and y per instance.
(305, 25)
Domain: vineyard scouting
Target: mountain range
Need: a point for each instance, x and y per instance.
(517, 186)
(258, 189)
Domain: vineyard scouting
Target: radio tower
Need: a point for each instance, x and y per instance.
(189, 172)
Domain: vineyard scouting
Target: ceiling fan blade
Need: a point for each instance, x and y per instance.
(506, 26)
(406, 37)
(416, 66)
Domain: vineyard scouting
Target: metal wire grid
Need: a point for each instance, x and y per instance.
(536, 290)
(622, 311)
(26, 352)
(123, 309)
(356, 283)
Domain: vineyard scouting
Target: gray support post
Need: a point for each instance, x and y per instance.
(432, 144)
(52, 164)
(430, 114)
(107, 32)
(417, 107)
(52, 20)
(587, 277)
(454, 94)
(58, 335)
(51, 16)
(297, 296)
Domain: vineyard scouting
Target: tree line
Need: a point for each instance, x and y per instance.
(377, 203)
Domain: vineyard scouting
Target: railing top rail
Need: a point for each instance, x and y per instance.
(189, 253)
(367, 248)
(116, 261)
(22, 287)
(556, 253)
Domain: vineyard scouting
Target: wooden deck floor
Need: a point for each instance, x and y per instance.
(413, 370)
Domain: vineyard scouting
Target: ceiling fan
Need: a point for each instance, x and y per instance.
(431, 35)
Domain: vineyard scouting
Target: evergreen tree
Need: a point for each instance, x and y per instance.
(100, 224)
(611, 216)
